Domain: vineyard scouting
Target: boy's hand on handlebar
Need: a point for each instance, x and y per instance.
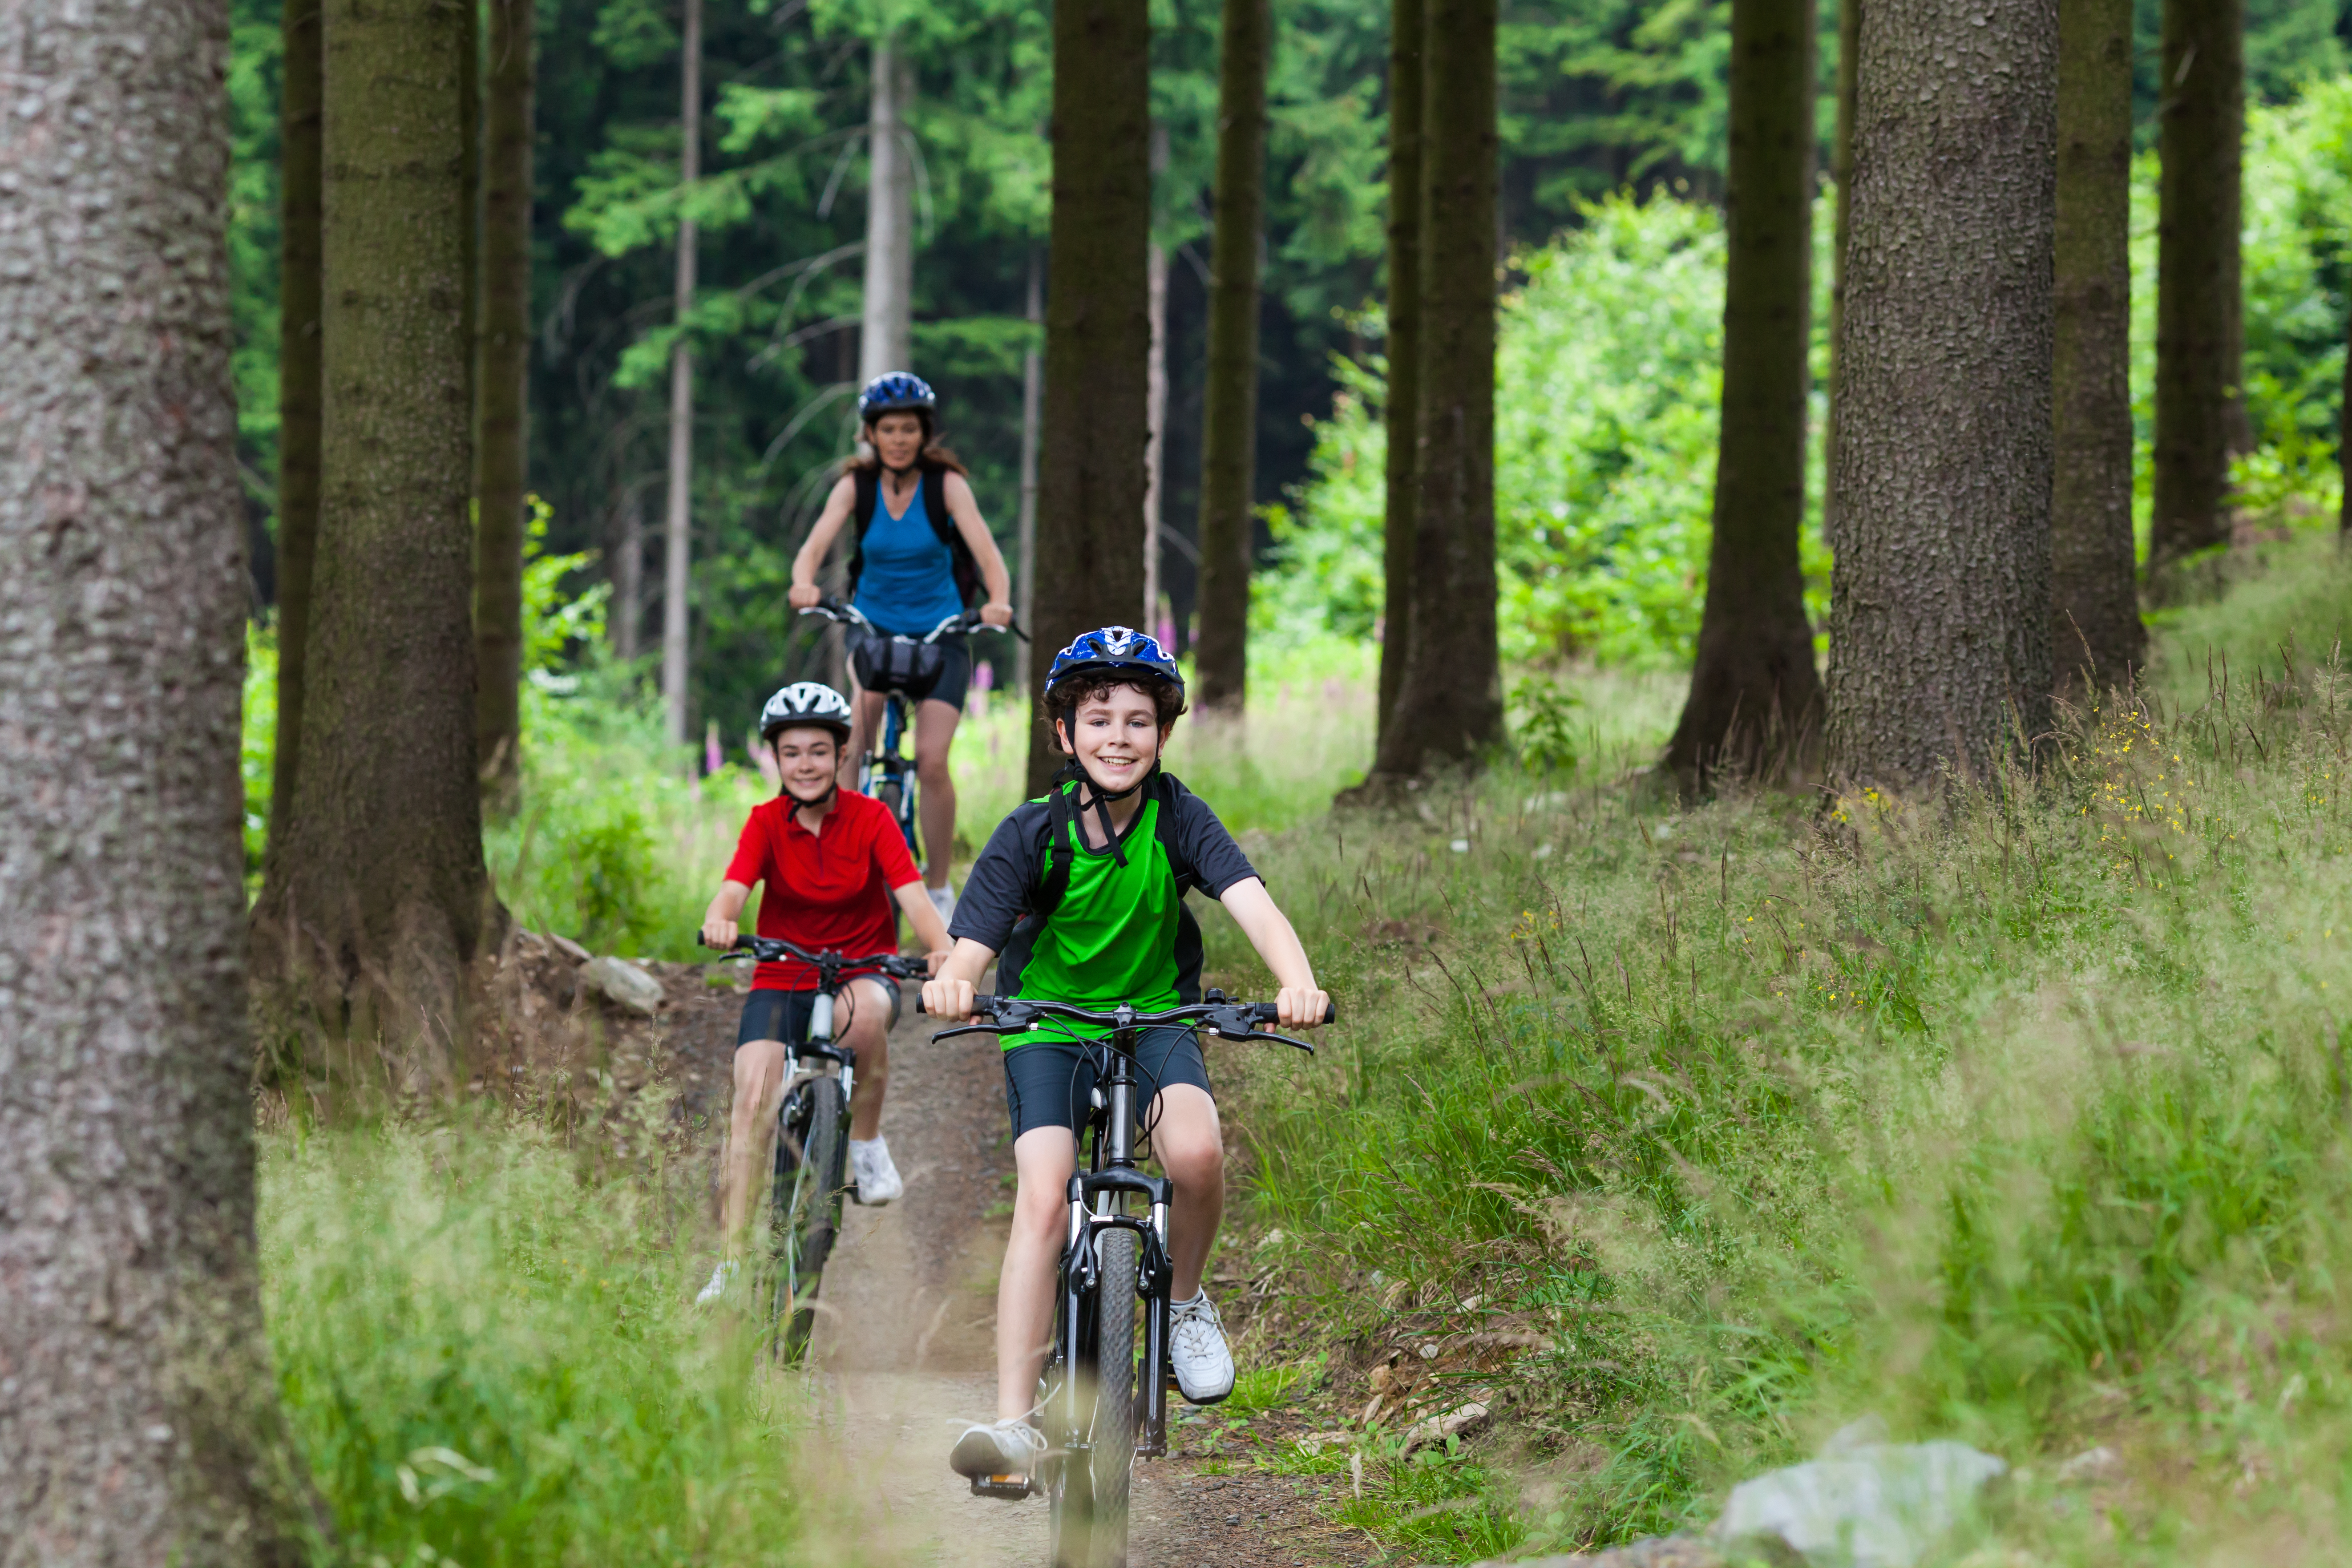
(1300, 1006)
(948, 999)
(805, 595)
(997, 615)
(718, 933)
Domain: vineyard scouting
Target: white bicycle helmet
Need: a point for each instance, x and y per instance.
(805, 702)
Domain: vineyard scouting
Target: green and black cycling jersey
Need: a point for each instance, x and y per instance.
(1098, 927)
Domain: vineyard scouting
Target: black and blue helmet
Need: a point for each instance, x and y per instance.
(1114, 650)
(896, 392)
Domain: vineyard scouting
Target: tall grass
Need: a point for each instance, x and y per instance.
(489, 1359)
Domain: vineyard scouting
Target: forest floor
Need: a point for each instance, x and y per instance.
(905, 1348)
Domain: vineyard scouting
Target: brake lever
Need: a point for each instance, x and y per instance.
(965, 1029)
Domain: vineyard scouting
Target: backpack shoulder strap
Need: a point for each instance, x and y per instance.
(935, 506)
(869, 494)
(1166, 789)
(1051, 873)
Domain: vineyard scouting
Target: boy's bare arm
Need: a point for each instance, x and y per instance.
(1297, 998)
(949, 993)
(719, 927)
(924, 916)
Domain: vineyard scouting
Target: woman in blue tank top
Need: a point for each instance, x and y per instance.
(906, 582)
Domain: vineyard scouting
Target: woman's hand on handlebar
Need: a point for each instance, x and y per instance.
(996, 615)
(948, 999)
(1300, 1006)
(806, 595)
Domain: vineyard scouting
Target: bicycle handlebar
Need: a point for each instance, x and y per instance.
(835, 609)
(1226, 1018)
(775, 949)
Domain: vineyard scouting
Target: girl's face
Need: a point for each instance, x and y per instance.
(898, 439)
(806, 761)
(1116, 737)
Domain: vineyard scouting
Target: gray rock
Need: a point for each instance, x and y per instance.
(623, 983)
(1657, 1551)
(1863, 1504)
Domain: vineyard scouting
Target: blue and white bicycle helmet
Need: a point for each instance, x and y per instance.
(1114, 648)
(896, 392)
(805, 702)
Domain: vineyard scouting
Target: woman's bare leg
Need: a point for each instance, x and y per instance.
(935, 728)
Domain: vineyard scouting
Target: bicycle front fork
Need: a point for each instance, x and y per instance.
(1093, 1196)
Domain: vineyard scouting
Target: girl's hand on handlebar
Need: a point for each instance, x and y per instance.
(997, 615)
(1300, 1006)
(948, 999)
(806, 595)
(932, 960)
(718, 933)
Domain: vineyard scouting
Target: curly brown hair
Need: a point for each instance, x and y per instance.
(1167, 697)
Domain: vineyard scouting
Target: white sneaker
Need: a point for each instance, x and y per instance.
(871, 1167)
(997, 1448)
(943, 900)
(1196, 1349)
(720, 1279)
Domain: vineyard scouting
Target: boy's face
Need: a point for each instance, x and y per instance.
(806, 761)
(899, 439)
(1116, 737)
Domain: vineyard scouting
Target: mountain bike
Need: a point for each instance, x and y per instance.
(1089, 1394)
(904, 670)
(812, 1139)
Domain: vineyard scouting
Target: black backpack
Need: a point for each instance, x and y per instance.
(969, 586)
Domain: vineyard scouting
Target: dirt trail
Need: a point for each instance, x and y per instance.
(906, 1349)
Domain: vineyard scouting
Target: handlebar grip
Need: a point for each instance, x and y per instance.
(1330, 1012)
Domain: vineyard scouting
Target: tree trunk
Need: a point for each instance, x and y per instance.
(1229, 417)
(380, 901)
(2200, 122)
(1940, 614)
(1097, 334)
(1754, 699)
(1155, 418)
(677, 555)
(885, 341)
(139, 1422)
(298, 385)
(1849, 62)
(1032, 391)
(629, 574)
(1450, 707)
(2094, 627)
(1406, 28)
(469, 177)
(503, 397)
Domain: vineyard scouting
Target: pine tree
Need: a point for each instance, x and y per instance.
(1939, 613)
(1450, 706)
(1090, 476)
(2199, 350)
(1754, 699)
(140, 1421)
(1406, 32)
(2094, 623)
(379, 900)
(502, 394)
(298, 383)
(1229, 425)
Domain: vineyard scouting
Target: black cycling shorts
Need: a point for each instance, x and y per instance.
(785, 1014)
(1050, 1083)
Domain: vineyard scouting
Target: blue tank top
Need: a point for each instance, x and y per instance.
(908, 582)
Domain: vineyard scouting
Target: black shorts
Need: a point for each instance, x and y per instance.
(785, 1014)
(1050, 1083)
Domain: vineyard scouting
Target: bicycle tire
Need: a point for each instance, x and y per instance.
(812, 1150)
(1112, 1458)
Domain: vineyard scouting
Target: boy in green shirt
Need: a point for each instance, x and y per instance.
(1107, 856)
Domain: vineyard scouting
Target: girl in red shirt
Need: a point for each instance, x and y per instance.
(831, 862)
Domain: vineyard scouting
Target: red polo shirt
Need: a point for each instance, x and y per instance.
(825, 889)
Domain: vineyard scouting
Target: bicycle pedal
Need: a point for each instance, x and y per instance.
(1008, 1489)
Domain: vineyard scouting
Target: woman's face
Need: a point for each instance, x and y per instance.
(806, 761)
(1116, 737)
(898, 439)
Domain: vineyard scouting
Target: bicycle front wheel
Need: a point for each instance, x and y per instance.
(1091, 1512)
(812, 1153)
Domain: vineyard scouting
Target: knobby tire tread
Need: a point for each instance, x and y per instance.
(808, 1215)
(1113, 1457)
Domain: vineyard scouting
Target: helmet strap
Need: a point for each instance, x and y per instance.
(1075, 771)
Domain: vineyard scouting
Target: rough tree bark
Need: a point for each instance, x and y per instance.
(1940, 614)
(379, 901)
(885, 337)
(1155, 406)
(1033, 393)
(1755, 699)
(2200, 124)
(1450, 706)
(297, 383)
(1098, 335)
(1402, 416)
(1849, 63)
(502, 398)
(139, 1422)
(2094, 623)
(1229, 414)
(678, 552)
